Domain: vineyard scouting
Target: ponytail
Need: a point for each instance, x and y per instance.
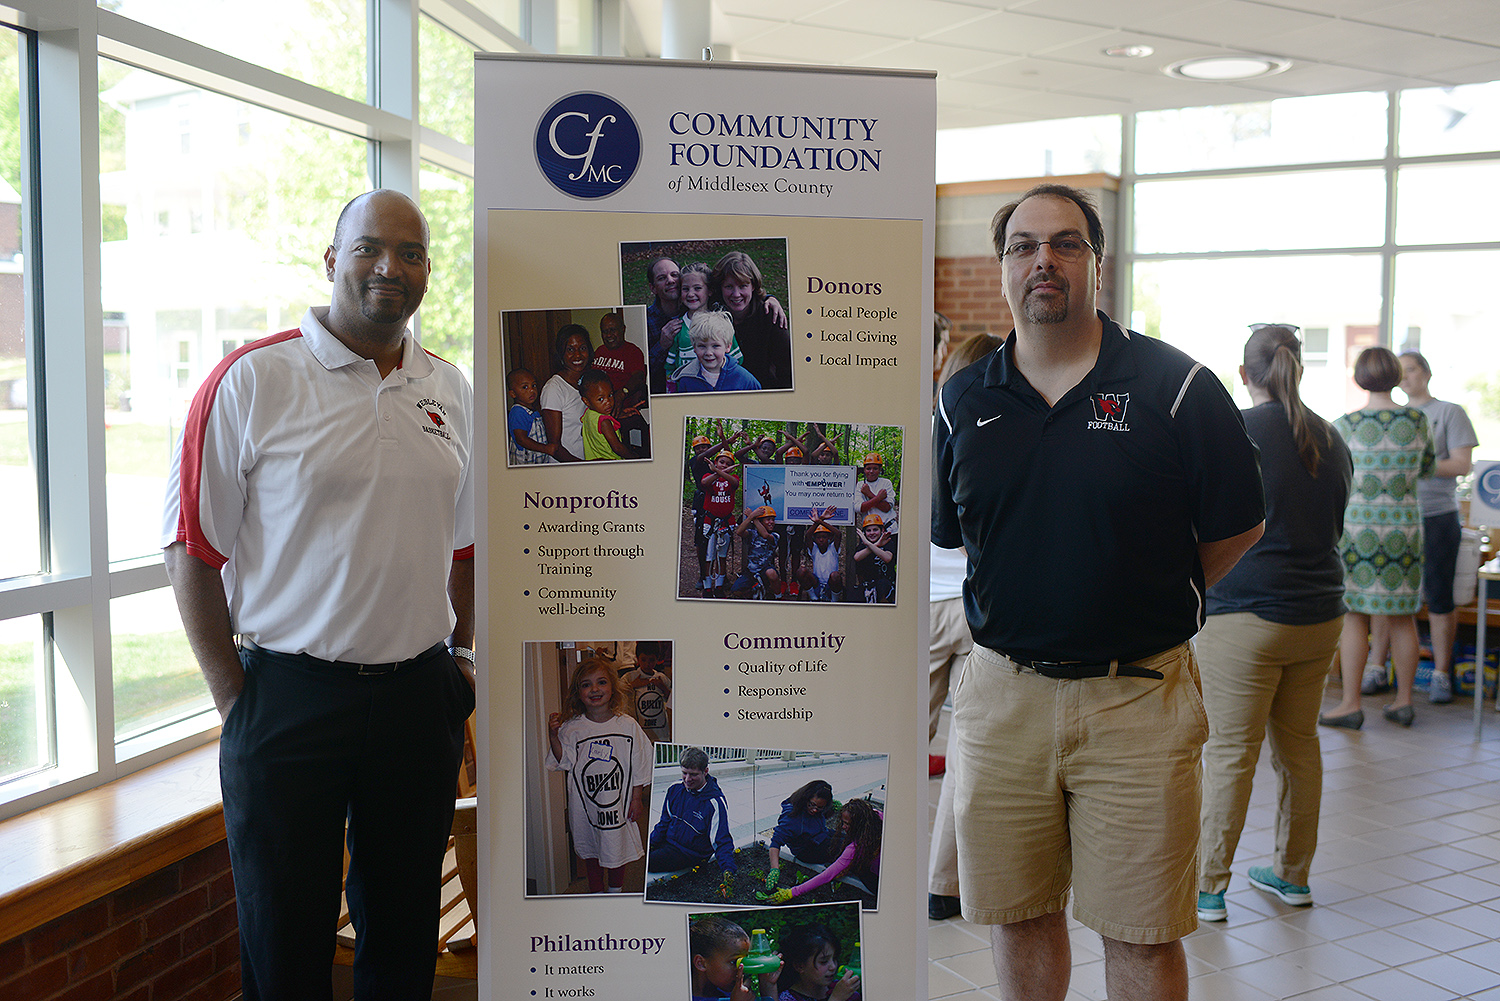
(1273, 361)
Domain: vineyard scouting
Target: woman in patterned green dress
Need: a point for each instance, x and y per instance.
(1382, 542)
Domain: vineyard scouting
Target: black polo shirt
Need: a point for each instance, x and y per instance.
(1081, 521)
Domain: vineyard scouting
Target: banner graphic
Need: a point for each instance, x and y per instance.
(703, 377)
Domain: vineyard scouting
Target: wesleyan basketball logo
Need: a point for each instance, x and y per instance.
(437, 416)
(587, 145)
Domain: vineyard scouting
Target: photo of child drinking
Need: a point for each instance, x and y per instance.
(812, 954)
(717, 950)
(814, 966)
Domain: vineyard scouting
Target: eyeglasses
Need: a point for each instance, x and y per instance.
(1292, 327)
(1064, 248)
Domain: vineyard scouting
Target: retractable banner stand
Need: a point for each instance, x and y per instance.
(703, 377)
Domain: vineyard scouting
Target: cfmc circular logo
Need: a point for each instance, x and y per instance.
(1487, 485)
(588, 146)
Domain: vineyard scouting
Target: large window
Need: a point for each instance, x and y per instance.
(1306, 210)
(27, 744)
(1338, 127)
(217, 188)
(1382, 239)
(215, 240)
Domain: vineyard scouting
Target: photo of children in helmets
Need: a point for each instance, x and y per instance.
(790, 511)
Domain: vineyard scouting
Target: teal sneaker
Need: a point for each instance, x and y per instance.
(1262, 878)
(1211, 907)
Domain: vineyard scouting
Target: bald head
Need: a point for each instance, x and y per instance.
(340, 228)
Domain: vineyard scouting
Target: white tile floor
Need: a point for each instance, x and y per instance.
(1406, 882)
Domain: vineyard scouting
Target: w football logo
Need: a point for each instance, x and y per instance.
(587, 145)
(1109, 411)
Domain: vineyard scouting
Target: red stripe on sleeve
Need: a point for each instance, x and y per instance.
(189, 525)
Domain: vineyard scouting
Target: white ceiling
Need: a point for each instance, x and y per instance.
(1004, 61)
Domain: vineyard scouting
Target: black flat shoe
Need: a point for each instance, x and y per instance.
(1349, 721)
(941, 908)
(1400, 714)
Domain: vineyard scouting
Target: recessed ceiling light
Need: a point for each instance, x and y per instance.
(1129, 51)
(1223, 68)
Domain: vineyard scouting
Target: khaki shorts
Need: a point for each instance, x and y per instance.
(1092, 784)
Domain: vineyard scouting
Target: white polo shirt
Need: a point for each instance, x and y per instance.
(333, 501)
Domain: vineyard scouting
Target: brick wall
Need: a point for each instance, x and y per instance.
(967, 291)
(170, 935)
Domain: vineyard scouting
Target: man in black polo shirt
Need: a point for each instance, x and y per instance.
(1099, 481)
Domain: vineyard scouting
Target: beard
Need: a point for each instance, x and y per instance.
(1051, 308)
(381, 309)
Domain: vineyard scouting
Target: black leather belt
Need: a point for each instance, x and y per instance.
(364, 670)
(1072, 670)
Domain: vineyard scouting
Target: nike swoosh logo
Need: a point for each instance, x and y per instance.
(980, 422)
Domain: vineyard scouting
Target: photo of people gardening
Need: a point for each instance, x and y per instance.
(765, 827)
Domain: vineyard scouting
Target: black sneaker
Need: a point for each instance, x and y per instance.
(941, 908)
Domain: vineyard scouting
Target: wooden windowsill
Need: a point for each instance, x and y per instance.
(61, 856)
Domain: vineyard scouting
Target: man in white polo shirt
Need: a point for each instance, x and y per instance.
(320, 509)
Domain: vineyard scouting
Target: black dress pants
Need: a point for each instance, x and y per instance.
(307, 746)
